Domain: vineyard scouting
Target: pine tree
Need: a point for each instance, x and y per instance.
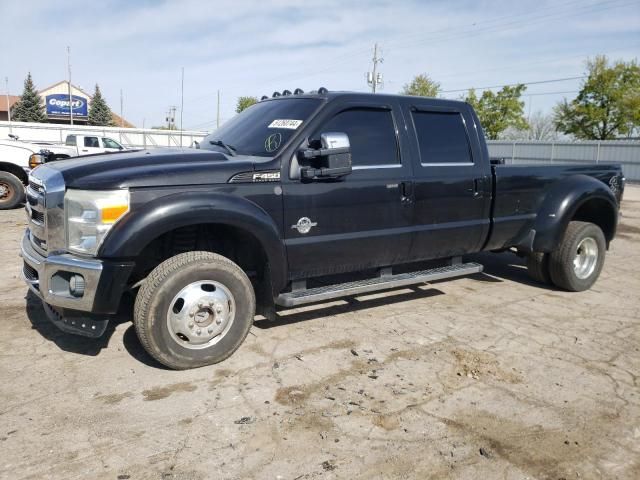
(99, 112)
(30, 107)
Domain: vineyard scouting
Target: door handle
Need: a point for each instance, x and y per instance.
(406, 193)
(475, 190)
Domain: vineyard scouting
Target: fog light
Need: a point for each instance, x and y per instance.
(76, 285)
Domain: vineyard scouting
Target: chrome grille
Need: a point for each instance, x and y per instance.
(45, 210)
(30, 273)
(37, 217)
(39, 242)
(38, 188)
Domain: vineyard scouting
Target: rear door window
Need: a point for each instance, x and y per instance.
(442, 138)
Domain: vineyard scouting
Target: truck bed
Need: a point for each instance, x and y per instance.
(519, 191)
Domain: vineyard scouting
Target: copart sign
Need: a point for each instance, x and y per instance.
(58, 104)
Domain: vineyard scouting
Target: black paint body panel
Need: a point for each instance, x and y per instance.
(370, 218)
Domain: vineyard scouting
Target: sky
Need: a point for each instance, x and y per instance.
(255, 48)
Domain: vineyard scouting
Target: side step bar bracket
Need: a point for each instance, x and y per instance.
(383, 282)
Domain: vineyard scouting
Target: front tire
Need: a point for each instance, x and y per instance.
(577, 262)
(194, 309)
(11, 191)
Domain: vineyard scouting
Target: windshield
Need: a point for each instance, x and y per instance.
(262, 129)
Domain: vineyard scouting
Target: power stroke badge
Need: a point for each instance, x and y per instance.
(304, 225)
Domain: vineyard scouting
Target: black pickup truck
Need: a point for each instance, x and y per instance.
(300, 198)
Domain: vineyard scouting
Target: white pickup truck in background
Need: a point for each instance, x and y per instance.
(16, 161)
(91, 144)
(17, 158)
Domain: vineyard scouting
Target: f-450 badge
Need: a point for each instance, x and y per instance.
(304, 225)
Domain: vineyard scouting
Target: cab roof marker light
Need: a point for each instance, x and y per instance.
(286, 93)
(298, 91)
(275, 94)
(264, 97)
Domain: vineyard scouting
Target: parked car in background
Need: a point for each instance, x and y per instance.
(16, 161)
(92, 144)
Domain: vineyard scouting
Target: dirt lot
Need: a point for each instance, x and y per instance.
(483, 377)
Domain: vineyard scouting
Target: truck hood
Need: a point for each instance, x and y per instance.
(151, 168)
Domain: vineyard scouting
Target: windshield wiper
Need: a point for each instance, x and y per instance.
(229, 148)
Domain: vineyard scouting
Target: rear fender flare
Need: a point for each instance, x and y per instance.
(559, 207)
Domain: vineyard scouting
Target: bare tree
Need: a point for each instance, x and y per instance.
(540, 127)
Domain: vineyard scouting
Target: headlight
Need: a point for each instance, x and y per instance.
(90, 214)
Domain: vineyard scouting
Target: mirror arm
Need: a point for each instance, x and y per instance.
(309, 173)
(323, 152)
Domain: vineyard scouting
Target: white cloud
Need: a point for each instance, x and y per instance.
(258, 47)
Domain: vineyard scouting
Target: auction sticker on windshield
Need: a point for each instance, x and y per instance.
(285, 123)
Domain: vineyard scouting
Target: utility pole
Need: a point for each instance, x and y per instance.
(218, 111)
(70, 96)
(121, 110)
(181, 103)
(171, 118)
(374, 78)
(6, 83)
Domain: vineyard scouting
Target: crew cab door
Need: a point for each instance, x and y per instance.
(361, 220)
(452, 180)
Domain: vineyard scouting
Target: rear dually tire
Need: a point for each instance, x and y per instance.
(576, 263)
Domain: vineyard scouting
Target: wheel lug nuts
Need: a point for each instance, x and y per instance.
(210, 330)
(218, 321)
(198, 332)
(190, 324)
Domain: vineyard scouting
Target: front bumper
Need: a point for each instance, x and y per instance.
(50, 279)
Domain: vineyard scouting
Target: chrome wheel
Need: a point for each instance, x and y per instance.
(201, 314)
(586, 258)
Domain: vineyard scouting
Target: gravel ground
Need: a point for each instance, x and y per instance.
(490, 376)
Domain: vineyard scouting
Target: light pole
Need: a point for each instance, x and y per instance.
(70, 97)
(6, 82)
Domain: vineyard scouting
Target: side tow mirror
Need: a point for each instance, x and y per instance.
(333, 160)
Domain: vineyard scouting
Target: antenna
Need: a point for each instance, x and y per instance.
(181, 103)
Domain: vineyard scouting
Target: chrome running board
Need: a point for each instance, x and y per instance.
(383, 282)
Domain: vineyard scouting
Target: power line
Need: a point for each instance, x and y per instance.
(525, 17)
(551, 93)
(555, 12)
(516, 84)
(530, 18)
